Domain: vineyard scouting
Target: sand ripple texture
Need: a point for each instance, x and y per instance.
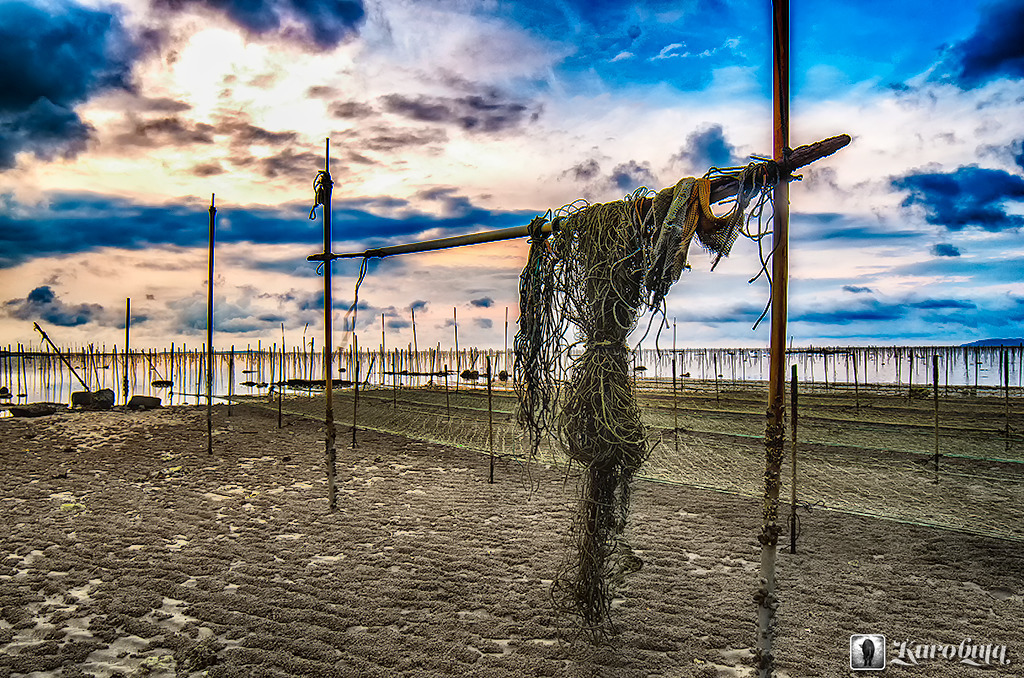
(127, 550)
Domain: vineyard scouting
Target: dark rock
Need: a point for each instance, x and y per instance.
(141, 402)
(81, 399)
(102, 399)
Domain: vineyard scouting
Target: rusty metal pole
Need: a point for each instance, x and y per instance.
(775, 429)
(327, 185)
(209, 336)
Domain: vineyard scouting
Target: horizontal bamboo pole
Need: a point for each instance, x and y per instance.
(721, 188)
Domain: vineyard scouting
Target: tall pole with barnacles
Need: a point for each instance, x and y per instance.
(774, 437)
(322, 186)
(209, 337)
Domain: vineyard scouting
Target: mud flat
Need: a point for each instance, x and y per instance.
(127, 550)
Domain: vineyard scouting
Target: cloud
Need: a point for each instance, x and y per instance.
(326, 22)
(943, 303)
(473, 113)
(483, 323)
(51, 60)
(482, 302)
(705, 148)
(42, 304)
(350, 110)
(856, 289)
(970, 196)
(630, 175)
(418, 305)
(386, 139)
(584, 171)
(944, 249)
(994, 50)
(70, 223)
(168, 130)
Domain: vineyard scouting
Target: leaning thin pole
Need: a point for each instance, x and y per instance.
(59, 355)
(209, 336)
(774, 437)
(326, 185)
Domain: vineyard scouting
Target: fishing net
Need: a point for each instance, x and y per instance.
(583, 290)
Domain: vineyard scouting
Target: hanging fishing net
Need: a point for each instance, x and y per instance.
(583, 291)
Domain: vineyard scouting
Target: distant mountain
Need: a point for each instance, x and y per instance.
(996, 342)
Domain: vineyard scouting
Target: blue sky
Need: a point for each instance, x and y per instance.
(450, 117)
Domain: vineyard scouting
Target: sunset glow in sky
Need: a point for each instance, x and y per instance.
(448, 117)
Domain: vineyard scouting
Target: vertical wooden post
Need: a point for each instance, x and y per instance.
(355, 388)
(935, 388)
(675, 399)
(792, 423)
(455, 324)
(767, 603)
(280, 375)
(1006, 393)
(504, 355)
(209, 336)
(856, 385)
(127, 327)
(447, 396)
(714, 358)
(327, 185)
(490, 421)
(231, 381)
(414, 365)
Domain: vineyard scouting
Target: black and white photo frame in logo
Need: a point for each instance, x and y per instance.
(867, 652)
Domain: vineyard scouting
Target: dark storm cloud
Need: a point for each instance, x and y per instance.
(857, 289)
(418, 305)
(392, 139)
(944, 249)
(706, 148)
(166, 131)
(397, 323)
(970, 196)
(208, 169)
(712, 314)
(482, 302)
(42, 304)
(475, 112)
(811, 227)
(995, 49)
(943, 303)
(243, 132)
(584, 171)
(325, 22)
(868, 310)
(630, 175)
(350, 110)
(72, 223)
(50, 61)
(483, 323)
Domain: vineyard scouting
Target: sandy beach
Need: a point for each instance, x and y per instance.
(128, 550)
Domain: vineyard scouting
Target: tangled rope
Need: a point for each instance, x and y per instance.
(603, 267)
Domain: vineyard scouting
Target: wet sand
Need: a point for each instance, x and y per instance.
(127, 550)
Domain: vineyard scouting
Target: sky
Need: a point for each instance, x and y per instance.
(120, 120)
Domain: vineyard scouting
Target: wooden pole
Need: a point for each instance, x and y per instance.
(714, 359)
(327, 185)
(127, 327)
(455, 324)
(675, 399)
(280, 376)
(415, 364)
(209, 336)
(21, 355)
(1006, 393)
(231, 382)
(792, 498)
(447, 396)
(935, 389)
(775, 428)
(355, 388)
(856, 386)
(721, 188)
(490, 421)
